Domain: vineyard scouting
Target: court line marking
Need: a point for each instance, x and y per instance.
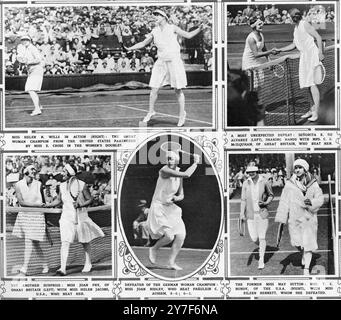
(121, 106)
(164, 114)
(110, 103)
(182, 249)
(280, 251)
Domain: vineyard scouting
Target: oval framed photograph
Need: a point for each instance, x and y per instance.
(170, 206)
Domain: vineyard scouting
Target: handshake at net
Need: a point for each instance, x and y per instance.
(274, 51)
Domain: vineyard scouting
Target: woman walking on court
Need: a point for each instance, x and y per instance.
(255, 197)
(29, 55)
(169, 67)
(310, 57)
(165, 217)
(299, 203)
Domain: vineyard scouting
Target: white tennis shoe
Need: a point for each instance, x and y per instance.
(149, 115)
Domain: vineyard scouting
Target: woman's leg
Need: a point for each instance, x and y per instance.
(152, 99)
(40, 253)
(176, 247)
(166, 239)
(35, 98)
(181, 100)
(64, 253)
(307, 256)
(262, 227)
(315, 93)
(87, 251)
(27, 255)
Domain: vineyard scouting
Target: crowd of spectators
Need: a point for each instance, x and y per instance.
(79, 40)
(273, 15)
(95, 171)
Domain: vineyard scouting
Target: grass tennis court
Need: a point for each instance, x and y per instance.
(285, 260)
(189, 259)
(123, 108)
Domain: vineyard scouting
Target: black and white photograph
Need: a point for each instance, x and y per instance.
(281, 64)
(108, 66)
(282, 214)
(58, 215)
(171, 206)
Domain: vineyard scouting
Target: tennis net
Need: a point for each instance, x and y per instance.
(101, 248)
(281, 95)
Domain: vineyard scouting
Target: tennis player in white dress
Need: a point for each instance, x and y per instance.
(255, 49)
(255, 54)
(169, 68)
(29, 55)
(310, 57)
(165, 217)
(30, 226)
(75, 224)
(299, 204)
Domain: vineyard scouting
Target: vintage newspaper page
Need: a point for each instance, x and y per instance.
(155, 150)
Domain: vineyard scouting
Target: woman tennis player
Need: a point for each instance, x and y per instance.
(29, 55)
(75, 224)
(254, 53)
(310, 57)
(30, 226)
(164, 219)
(169, 68)
(299, 203)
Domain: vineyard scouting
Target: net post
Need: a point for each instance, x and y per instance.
(286, 76)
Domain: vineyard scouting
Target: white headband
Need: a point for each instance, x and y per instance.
(69, 169)
(302, 163)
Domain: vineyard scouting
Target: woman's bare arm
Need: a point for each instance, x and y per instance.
(186, 34)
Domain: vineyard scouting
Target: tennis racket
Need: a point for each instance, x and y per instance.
(278, 71)
(173, 146)
(241, 227)
(319, 73)
(279, 234)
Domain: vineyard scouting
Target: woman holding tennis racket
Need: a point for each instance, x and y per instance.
(310, 65)
(29, 55)
(300, 201)
(75, 224)
(169, 67)
(165, 217)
